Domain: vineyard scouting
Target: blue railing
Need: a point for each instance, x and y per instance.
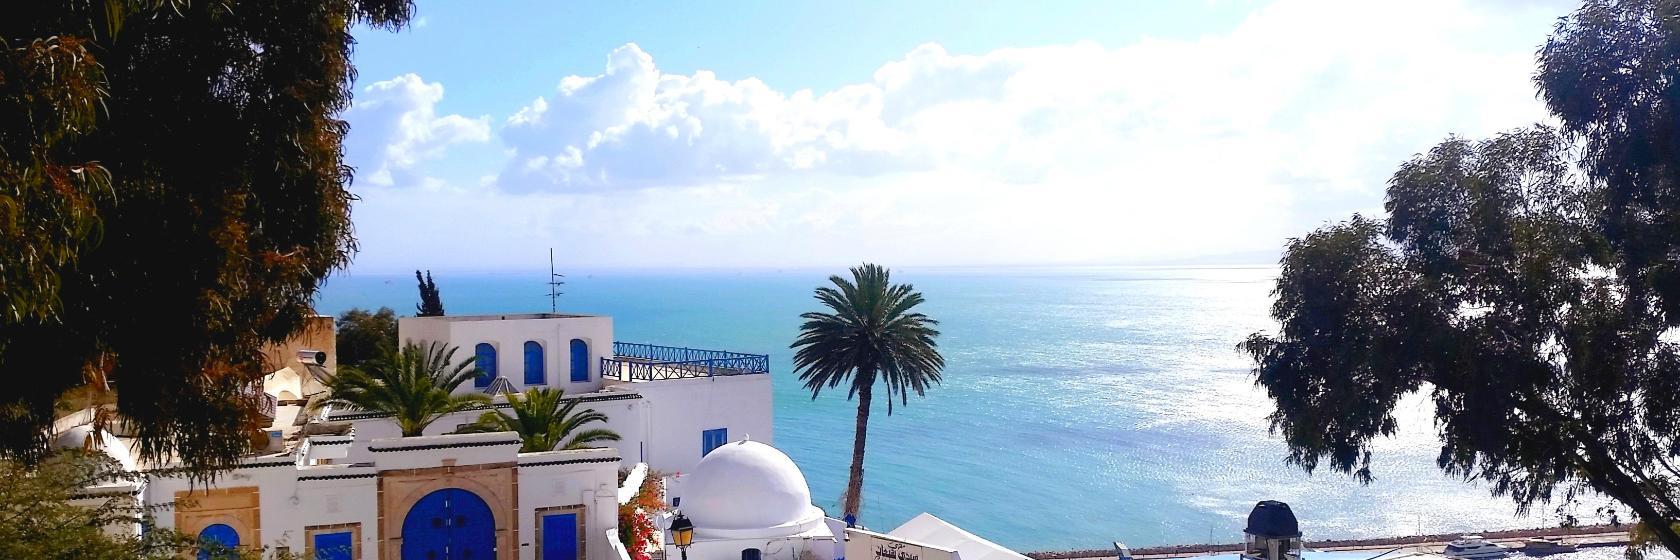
(646, 362)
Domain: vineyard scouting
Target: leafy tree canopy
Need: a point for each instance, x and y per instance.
(545, 420)
(39, 520)
(365, 335)
(172, 192)
(416, 386)
(1527, 282)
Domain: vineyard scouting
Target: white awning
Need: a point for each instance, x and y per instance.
(935, 531)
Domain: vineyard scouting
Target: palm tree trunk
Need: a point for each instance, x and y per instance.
(854, 484)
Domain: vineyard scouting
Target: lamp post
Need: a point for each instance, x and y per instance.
(682, 533)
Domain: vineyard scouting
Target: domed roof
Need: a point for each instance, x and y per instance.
(748, 487)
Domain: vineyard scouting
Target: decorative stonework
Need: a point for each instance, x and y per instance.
(494, 483)
(237, 507)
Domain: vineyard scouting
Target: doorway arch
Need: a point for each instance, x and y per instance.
(449, 524)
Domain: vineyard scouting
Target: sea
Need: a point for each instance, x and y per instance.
(1080, 405)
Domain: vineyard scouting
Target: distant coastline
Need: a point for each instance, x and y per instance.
(1599, 535)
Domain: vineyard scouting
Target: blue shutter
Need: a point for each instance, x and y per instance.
(560, 537)
(333, 546)
(485, 354)
(712, 439)
(534, 363)
(580, 361)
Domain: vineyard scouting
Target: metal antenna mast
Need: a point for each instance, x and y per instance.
(554, 283)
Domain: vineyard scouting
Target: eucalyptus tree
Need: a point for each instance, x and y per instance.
(1528, 283)
(545, 420)
(416, 386)
(869, 333)
(172, 193)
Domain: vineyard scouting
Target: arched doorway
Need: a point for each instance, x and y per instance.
(219, 539)
(449, 524)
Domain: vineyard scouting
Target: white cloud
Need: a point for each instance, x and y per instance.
(1154, 150)
(396, 127)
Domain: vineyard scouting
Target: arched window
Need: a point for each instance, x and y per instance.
(580, 361)
(534, 363)
(485, 354)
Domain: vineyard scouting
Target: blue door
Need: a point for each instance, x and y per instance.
(219, 539)
(333, 546)
(484, 356)
(580, 360)
(559, 537)
(449, 524)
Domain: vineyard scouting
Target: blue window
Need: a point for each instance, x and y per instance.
(485, 355)
(216, 540)
(712, 439)
(580, 361)
(560, 537)
(534, 363)
(333, 546)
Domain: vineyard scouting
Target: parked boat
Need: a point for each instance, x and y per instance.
(1474, 547)
(1539, 546)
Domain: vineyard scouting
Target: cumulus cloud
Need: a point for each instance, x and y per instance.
(1153, 150)
(396, 126)
(1299, 92)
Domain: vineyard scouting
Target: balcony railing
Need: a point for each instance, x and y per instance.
(648, 362)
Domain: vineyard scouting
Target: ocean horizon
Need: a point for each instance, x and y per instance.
(1120, 385)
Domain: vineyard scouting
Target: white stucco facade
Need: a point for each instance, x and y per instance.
(341, 484)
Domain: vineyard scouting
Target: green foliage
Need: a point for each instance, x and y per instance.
(364, 335)
(415, 386)
(172, 192)
(1527, 282)
(869, 333)
(38, 519)
(431, 304)
(545, 421)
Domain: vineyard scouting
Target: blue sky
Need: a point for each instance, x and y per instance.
(769, 134)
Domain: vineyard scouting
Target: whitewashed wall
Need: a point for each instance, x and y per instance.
(508, 333)
(678, 411)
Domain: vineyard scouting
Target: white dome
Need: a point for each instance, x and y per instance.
(746, 487)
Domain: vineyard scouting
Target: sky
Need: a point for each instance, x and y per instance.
(822, 134)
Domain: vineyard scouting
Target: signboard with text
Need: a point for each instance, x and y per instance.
(869, 545)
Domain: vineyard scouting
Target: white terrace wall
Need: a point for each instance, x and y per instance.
(508, 334)
(275, 503)
(680, 410)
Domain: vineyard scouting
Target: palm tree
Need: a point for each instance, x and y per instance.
(869, 333)
(416, 386)
(545, 421)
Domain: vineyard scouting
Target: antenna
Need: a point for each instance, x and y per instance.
(554, 283)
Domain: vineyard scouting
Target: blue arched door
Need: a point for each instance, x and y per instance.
(449, 524)
(219, 539)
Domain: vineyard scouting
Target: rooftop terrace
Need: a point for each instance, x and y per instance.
(647, 362)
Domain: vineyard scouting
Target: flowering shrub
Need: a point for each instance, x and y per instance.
(635, 518)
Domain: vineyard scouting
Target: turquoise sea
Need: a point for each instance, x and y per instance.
(1080, 405)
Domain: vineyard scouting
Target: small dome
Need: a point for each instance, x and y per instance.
(747, 486)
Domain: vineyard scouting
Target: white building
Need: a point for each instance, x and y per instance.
(342, 484)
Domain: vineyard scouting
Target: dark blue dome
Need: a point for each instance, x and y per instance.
(1272, 519)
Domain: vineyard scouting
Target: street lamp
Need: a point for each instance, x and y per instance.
(682, 533)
